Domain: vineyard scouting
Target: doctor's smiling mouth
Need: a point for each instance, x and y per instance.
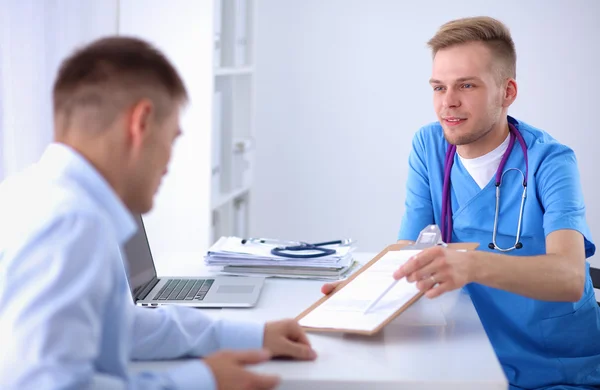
(452, 121)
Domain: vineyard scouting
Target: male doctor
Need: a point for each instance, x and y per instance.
(67, 320)
(530, 280)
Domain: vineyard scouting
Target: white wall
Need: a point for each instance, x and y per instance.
(342, 88)
(34, 38)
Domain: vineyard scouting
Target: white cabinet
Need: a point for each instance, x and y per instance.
(234, 117)
(206, 193)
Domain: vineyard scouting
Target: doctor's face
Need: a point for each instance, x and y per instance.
(467, 97)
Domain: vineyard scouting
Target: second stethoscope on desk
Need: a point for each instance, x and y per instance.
(299, 249)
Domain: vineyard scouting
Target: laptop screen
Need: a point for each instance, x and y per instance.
(139, 258)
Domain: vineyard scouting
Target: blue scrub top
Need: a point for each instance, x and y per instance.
(538, 343)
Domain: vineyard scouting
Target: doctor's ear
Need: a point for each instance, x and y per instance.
(510, 92)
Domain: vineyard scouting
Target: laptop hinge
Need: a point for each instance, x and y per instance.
(143, 293)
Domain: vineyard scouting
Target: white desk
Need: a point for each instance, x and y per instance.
(415, 351)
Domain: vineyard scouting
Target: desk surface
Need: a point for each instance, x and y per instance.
(435, 344)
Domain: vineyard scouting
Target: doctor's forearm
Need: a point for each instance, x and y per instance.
(547, 277)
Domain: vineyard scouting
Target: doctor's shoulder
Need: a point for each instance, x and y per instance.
(429, 137)
(553, 169)
(544, 149)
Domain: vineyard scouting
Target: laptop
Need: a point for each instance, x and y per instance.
(210, 291)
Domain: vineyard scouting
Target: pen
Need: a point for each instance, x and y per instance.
(376, 301)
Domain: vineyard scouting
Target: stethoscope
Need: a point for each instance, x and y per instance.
(446, 201)
(298, 249)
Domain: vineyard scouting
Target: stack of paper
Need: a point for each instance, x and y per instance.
(256, 259)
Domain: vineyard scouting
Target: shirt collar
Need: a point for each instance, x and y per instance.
(513, 121)
(62, 161)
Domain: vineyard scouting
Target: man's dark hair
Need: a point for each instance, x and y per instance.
(101, 79)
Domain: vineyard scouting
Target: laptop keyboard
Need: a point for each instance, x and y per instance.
(184, 290)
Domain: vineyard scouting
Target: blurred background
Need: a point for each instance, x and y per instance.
(302, 112)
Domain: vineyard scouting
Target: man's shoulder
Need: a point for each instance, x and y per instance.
(30, 190)
(30, 203)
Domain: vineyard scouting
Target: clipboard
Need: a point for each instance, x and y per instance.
(424, 241)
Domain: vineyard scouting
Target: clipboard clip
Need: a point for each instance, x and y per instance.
(428, 237)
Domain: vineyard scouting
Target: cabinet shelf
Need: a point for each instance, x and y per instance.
(233, 66)
(234, 71)
(225, 198)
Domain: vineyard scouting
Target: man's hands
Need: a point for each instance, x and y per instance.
(438, 270)
(230, 374)
(286, 338)
(283, 338)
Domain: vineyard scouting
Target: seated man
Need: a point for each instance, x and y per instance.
(67, 320)
(530, 280)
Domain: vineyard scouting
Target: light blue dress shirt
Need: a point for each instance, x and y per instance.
(67, 318)
(540, 344)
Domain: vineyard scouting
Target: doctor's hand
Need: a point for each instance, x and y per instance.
(286, 338)
(230, 374)
(437, 270)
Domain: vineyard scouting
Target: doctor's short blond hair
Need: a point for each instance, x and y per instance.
(493, 33)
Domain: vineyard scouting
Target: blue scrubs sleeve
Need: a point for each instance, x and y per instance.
(418, 206)
(559, 191)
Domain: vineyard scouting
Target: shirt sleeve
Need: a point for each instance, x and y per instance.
(561, 195)
(174, 331)
(193, 375)
(54, 290)
(418, 211)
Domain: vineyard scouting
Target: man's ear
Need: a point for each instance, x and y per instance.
(510, 92)
(139, 121)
